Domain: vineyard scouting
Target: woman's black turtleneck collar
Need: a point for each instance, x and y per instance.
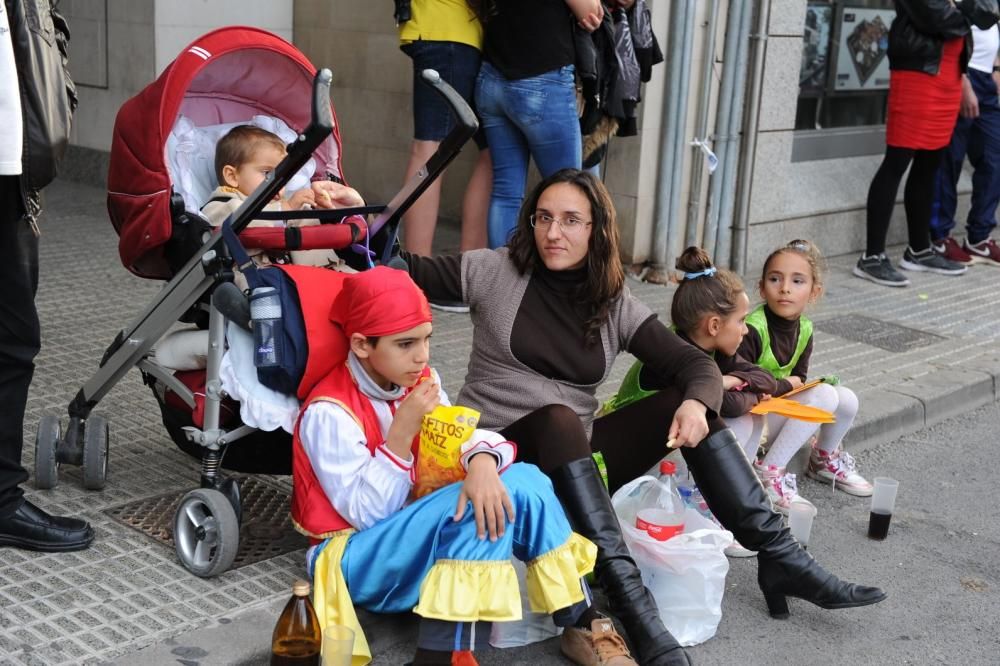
(780, 325)
(564, 282)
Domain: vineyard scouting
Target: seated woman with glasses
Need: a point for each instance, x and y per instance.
(551, 312)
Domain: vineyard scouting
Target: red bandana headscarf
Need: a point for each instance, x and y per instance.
(380, 301)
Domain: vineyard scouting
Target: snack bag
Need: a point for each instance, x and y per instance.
(442, 434)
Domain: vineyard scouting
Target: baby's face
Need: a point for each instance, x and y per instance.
(252, 173)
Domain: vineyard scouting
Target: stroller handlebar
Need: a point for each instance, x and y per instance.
(463, 113)
(466, 125)
(322, 115)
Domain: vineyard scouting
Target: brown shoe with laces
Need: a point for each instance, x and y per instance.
(601, 646)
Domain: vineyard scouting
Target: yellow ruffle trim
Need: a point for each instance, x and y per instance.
(554, 578)
(332, 600)
(470, 591)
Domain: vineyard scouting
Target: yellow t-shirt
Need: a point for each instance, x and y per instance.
(442, 21)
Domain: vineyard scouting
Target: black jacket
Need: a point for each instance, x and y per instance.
(921, 27)
(48, 97)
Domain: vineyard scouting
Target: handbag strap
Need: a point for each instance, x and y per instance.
(239, 254)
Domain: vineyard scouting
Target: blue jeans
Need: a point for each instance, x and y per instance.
(979, 138)
(534, 117)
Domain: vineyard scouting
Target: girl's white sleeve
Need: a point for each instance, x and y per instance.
(363, 488)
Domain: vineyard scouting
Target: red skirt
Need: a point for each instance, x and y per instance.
(923, 108)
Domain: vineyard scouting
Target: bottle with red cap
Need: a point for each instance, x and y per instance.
(661, 509)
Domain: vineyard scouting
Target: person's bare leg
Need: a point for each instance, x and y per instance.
(476, 203)
(420, 221)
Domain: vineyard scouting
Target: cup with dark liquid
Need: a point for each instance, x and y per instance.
(883, 502)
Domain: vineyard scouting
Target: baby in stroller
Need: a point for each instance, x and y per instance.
(243, 159)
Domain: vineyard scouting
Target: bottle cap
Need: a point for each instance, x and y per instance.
(668, 467)
(300, 588)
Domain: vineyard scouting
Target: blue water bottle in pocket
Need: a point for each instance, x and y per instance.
(265, 312)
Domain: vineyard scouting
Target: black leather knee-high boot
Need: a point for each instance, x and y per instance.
(737, 499)
(579, 487)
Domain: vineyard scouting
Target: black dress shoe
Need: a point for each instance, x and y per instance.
(32, 529)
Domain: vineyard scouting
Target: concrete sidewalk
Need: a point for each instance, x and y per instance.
(915, 356)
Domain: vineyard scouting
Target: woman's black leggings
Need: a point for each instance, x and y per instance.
(918, 197)
(631, 439)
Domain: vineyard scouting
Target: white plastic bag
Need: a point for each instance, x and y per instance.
(686, 574)
(531, 628)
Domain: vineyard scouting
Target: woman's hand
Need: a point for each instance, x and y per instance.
(490, 502)
(410, 416)
(689, 426)
(970, 103)
(334, 195)
(730, 382)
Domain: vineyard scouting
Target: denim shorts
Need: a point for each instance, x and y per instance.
(458, 65)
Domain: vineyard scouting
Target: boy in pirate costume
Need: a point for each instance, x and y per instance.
(353, 472)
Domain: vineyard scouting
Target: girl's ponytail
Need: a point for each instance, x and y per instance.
(704, 290)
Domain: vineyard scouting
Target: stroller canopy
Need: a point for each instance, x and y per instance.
(227, 76)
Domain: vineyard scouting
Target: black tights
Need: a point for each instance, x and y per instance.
(918, 196)
(631, 439)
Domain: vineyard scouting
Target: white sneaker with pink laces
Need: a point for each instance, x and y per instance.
(781, 487)
(839, 470)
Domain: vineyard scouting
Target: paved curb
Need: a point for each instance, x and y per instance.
(917, 403)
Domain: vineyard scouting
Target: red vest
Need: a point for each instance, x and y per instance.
(312, 512)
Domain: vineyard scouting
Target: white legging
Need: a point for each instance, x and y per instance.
(789, 435)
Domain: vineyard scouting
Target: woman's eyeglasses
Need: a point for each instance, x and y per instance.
(569, 225)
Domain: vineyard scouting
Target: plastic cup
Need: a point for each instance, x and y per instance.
(884, 496)
(338, 645)
(800, 521)
(883, 504)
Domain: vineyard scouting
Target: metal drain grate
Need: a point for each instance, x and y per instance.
(266, 530)
(877, 333)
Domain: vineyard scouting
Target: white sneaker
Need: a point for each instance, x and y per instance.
(839, 470)
(781, 487)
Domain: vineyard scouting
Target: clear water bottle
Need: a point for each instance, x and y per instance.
(693, 499)
(265, 312)
(661, 509)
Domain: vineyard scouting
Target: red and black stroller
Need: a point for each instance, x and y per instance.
(157, 182)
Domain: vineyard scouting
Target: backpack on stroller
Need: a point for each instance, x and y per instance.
(157, 182)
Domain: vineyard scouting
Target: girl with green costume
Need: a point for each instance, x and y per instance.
(708, 311)
(780, 339)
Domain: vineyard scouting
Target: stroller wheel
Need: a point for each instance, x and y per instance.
(46, 441)
(206, 532)
(95, 452)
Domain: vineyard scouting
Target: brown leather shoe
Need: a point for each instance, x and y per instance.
(601, 646)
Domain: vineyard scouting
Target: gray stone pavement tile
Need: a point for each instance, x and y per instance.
(127, 592)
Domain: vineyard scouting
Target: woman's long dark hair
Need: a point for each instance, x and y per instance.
(605, 274)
